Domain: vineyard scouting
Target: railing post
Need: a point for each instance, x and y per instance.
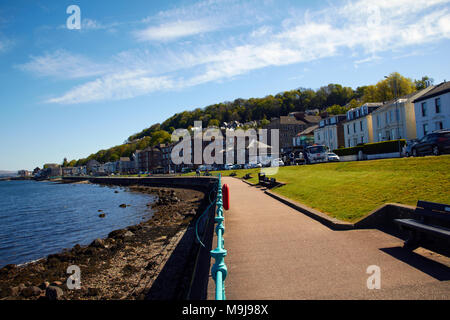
(219, 270)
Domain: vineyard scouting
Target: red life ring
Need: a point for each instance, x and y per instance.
(226, 197)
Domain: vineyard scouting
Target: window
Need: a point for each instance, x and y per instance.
(437, 103)
(354, 127)
(425, 129)
(348, 129)
(397, 115)
(391, 118)
(361, 125)
(378, 121)
(386, 114)
(349, 144)
(424, 109)
(362, 139)
(439, 125)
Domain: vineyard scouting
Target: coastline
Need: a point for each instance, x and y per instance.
(121, 266)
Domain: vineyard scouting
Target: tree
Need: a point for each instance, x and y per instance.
(72, 163)
(393, 86)
(213, 123)
(65, 163)
(337, 109)
(424, 83)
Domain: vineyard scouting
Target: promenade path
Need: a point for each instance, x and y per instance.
(276, 252)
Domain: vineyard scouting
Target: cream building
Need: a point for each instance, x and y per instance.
(358, 127)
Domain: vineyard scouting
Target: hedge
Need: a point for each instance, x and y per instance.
(348, 151)
(372, 148)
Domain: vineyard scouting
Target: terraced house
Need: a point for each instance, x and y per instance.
(358, 127)
(433, 110)
(397, 119)
(330, 132)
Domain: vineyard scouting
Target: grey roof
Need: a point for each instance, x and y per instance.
(440, 89)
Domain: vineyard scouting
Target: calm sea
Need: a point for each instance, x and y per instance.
(40, 218)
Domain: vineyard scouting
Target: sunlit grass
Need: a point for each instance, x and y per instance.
(350, 190)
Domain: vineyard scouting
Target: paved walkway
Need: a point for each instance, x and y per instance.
(276, 252)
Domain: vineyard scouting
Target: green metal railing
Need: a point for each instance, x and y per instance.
(219, 270)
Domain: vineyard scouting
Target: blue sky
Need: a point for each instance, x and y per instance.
(69, 93)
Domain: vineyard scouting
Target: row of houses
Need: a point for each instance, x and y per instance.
(409, 117)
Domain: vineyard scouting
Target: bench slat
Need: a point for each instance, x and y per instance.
(433, 206)
(414, 224)
(433, 214)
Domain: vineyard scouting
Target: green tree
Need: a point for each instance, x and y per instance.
(337, 109)
(424, 83)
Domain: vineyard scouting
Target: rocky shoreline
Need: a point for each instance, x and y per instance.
(122, 266)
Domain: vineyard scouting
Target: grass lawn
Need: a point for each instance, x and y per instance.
(350, 190)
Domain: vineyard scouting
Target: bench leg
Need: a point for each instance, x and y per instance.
(413, 241)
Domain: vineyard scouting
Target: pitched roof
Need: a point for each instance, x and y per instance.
(308, 131)
(440, 89)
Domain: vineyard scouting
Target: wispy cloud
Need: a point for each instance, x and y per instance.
(64, 65)
(365, 28)
(199, 18)
(175, 30)
(114, 87)
(5, 44)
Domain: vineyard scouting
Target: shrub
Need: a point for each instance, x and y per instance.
(384, 147)
(372, 148)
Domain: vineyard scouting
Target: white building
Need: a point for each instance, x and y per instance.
(330, 132)
(433, 110)
(358, 127)
(396, 119)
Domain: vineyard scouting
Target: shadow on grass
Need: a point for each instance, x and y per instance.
(430, 267)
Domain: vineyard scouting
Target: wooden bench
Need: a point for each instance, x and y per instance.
(431, 223)
(266, 182)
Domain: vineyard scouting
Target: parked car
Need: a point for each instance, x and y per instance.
(228, 166)
(434, 143)
(408, 147)
(333, 157)
(299, 158)
(317, 153)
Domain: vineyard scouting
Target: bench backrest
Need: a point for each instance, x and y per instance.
(433, 210)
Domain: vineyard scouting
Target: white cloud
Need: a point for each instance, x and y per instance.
(64, 65)
(114, 87)
(174, 30)
(364, 28)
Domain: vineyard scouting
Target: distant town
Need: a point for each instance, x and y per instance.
(408, 119)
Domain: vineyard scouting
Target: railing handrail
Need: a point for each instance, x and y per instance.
(219, 270)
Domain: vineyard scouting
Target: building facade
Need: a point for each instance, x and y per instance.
(330, 132)
(397, 119)
(432, 110)
(289, 127)
(358, 126)
(149, 159)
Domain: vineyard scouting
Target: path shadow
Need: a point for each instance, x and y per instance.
(432, 268)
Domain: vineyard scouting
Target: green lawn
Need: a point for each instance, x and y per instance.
(350, 190)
